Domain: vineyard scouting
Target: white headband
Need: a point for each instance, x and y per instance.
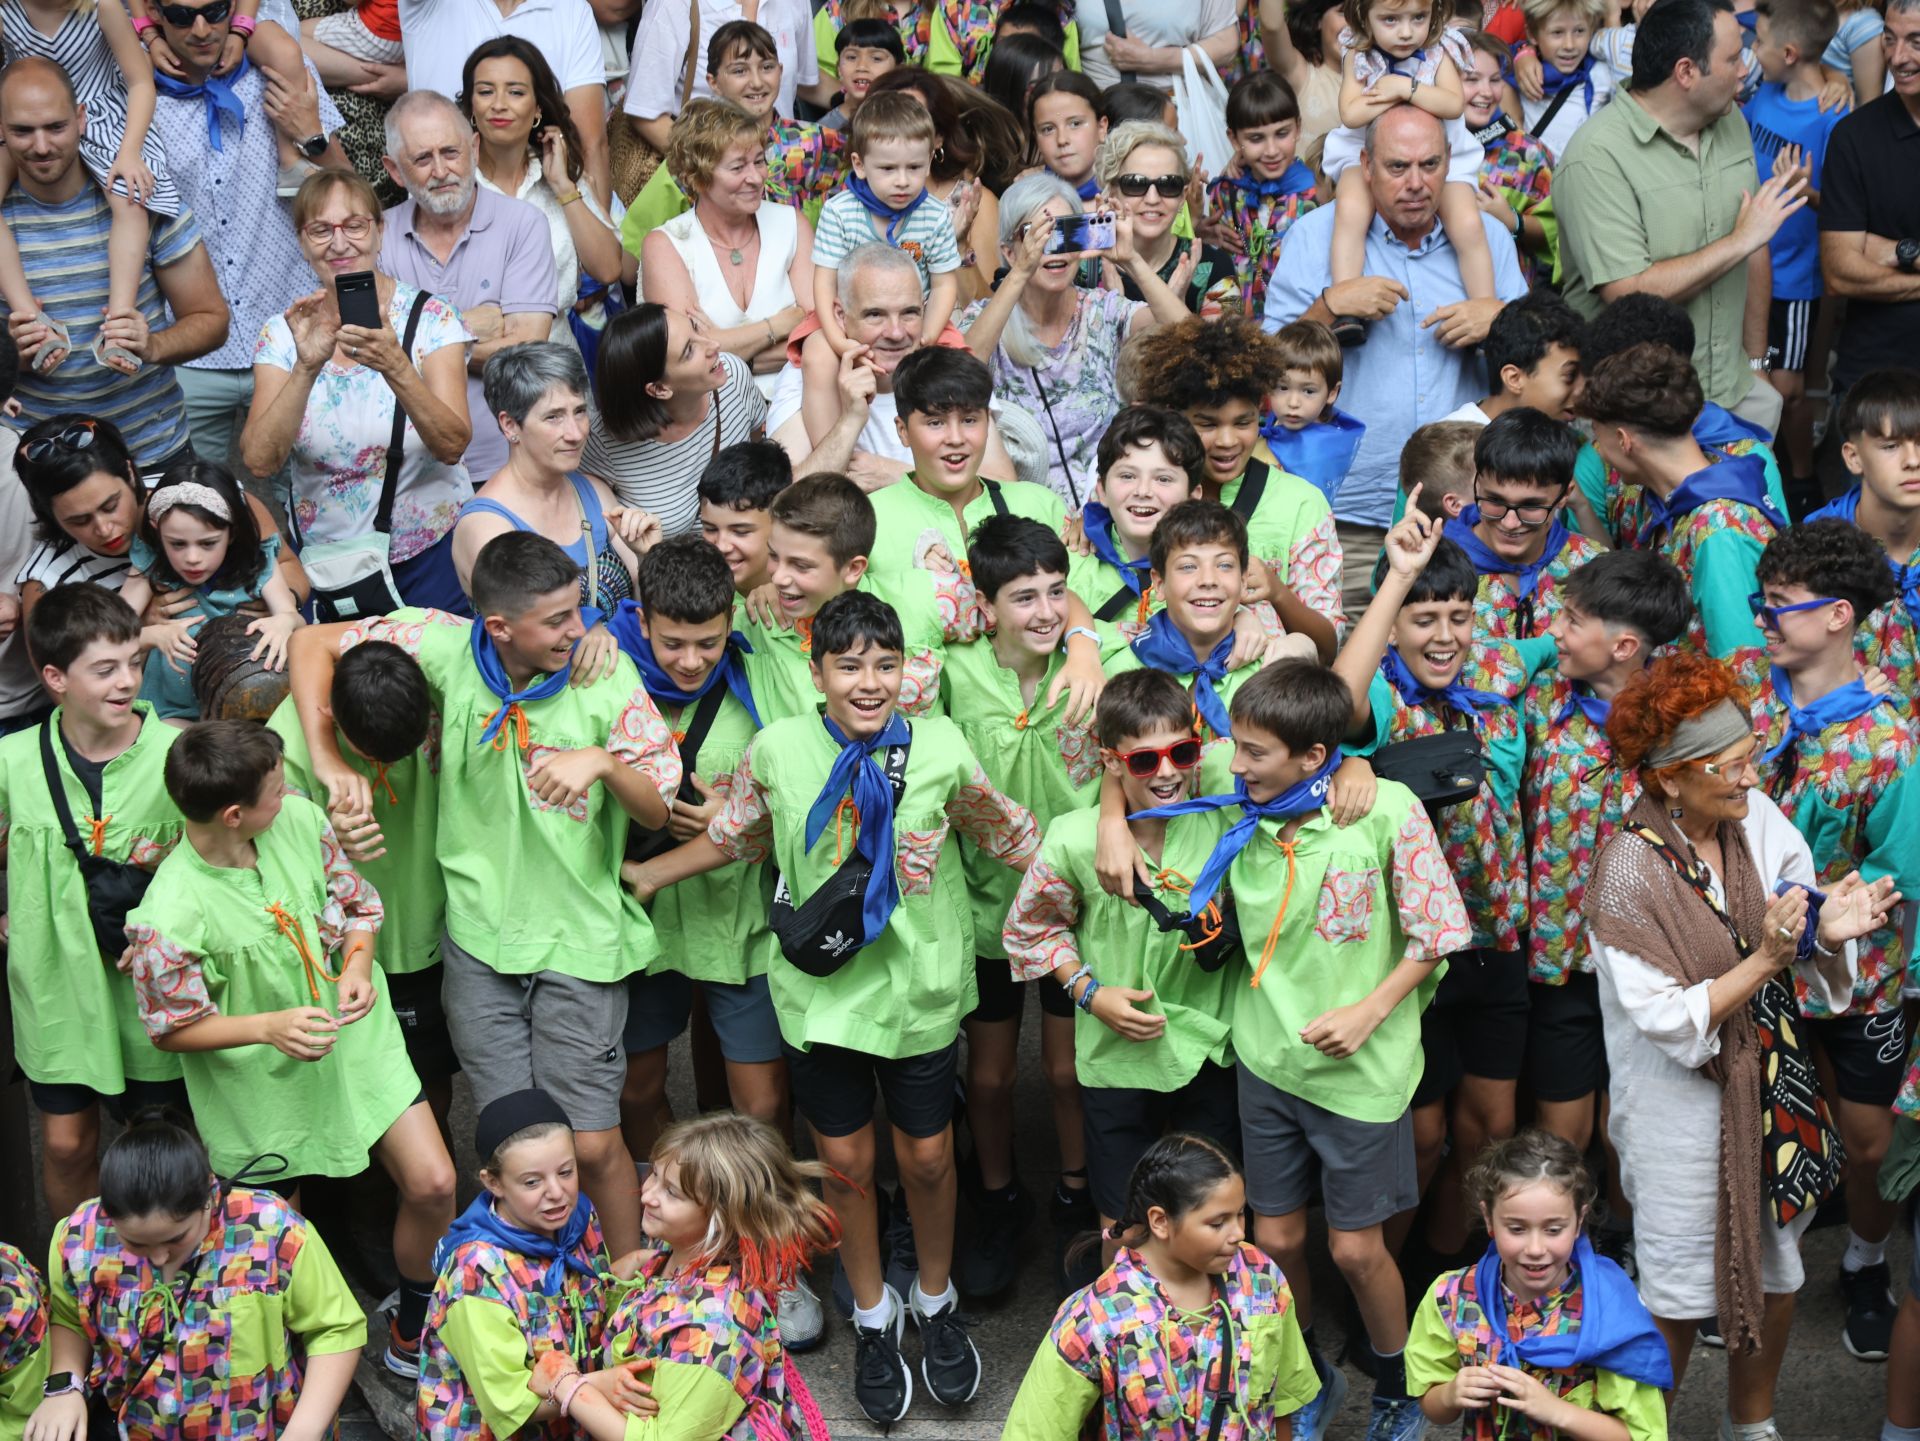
(187, 492)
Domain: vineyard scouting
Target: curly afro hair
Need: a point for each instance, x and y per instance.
(1207, 362)
(1649, 386)
(1830, 558)
(1673, 689)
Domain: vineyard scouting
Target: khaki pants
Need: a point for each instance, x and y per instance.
(1360, 547)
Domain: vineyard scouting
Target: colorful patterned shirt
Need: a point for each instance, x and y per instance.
(1263, 223)
(805, 163)
(219, 1351)
(1500, 612)
(1889, 639)
(23, 1326)
(1717, 548)
(1519, 167)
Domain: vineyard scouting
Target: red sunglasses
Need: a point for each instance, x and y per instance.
(1184, 756)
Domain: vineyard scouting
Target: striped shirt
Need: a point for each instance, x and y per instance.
(64, 250)
(67, 562)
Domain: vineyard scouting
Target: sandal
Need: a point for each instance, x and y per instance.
(116, 358)
(1349, 330)
(55, 349)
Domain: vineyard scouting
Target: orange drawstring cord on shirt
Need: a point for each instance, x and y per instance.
(803, 628)
(1144, 609)
(839, 840)
(1020, 721)
(1273, 933)
(380, 782)
(295, 932)
(97, 832)
(516, 722)
(1172, 880)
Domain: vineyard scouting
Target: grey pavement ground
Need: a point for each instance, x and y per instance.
(1825, 1395)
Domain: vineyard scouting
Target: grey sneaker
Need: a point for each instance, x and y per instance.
(802, 1322)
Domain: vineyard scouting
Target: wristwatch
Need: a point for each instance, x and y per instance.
(313, 147)
(62, 1383)
(1906, 255)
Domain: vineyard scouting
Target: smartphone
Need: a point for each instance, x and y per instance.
(359, 299)
(1083, 232)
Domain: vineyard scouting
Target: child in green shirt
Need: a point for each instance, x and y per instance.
(812, 793)
(229, 951)
(736, 496)
(1150, 460)
(76, 1021)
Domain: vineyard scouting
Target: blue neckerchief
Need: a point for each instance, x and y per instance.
(1465, 699)
(1299, 799)
(1849, 702)
(480, 1222)
(625, 625)
(1162, 646)
(1498, 127)
(1097, 521)
(486, 660)
(1553, 80)
(863, 192)
(1587, 703)
(1735, 477)
(1615, 1333)
(1906, 574)
(1321, 453)
(1294, 180)
(1487, 561)
(1716, 426)
(217, 91)
(1393, 64)
(1810, 935)
(857, 774)
(1087, 189)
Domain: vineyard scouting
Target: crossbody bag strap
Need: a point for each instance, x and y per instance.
(1689, 872)
(1116, 605)
(1253, 485)
(1547, 115)
(698, 724)
(1229, 1363)
(1117, 25)
(57, 789)
(693, 55)
(994, 494)
(383, 515)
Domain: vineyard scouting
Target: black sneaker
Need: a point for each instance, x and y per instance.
(949, 1362)
(1870, 1310)
(989, 1261)
(1709, 1334)
(882, 1380)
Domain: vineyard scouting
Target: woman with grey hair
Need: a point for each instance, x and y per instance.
(1051, 344)
(538, 393)
(1142, 169)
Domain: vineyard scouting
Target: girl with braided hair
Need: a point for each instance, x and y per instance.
(1190, 1332)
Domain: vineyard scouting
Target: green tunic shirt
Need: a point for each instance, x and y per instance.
(76, 1020)
(1118, 657)
(214, 940)
(908, 519)
(406, 803)
(1291, 530)
(1097, 583)
(905, 994)
(530, 886)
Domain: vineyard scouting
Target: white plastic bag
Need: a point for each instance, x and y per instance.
(1201, 98)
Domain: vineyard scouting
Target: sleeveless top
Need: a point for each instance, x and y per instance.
(614, 584)
(772, 288)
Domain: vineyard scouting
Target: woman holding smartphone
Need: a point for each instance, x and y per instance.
(326, 378)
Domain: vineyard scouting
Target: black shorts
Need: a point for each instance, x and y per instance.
(1122, 1123)
(1566, 1045)
(64, 1099)
(1002, 998)
(1790, 332)
(1477, 1024)
(415, 998)
(833, 1087)
(1868, 1055)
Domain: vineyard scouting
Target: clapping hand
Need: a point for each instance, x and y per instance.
(1855, 908)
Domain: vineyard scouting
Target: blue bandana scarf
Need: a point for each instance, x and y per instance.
(1321, 453)
(1098, 523)
(863, 192)
(625, 625)
(1296, 179)
(1588, 704)
(1553, 80)
(1487, 561)
(1465, 699)
(1906, 575)
(486, 659)
(480, 1222)
(857, 774)
(217, 91)
(1300, 799)
(1717, 426)
(1163, 647)
(1836, 707)
(1735, 477)
(1615, 1333)
(1087, 189)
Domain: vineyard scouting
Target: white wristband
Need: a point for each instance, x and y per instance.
(1079, 630)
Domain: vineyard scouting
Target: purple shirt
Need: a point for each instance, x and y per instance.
(504, 259)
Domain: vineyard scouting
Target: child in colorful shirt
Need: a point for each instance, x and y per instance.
(190, 1306)
(1190, 1332)
(1543, 1328)
(1516, 167)
(963, 31)
(23, 1327)
(1272, 189)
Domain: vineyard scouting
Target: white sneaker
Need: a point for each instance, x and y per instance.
(801, 1320)
(1727, 1433)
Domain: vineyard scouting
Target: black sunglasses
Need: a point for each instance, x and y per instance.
(1170, 187)
(183, 16)
(75, 437)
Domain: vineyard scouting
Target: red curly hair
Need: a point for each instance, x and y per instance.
(1651, 705)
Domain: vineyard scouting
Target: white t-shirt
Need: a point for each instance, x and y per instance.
(19, 684)
(878, 436)
(1471, 413)
(441, 34)
(1573, 112)
(659, 65)
(1157, 22)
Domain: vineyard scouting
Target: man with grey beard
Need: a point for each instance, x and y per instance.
(490, 255)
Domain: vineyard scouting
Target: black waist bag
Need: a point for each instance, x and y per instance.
(826, 930)
(113, 887)
(1442, 770)
(1210, 952)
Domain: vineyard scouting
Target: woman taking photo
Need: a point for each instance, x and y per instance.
(737, 256)
(1704, 924)
(530, 150)
(1052, 344)
(1142, 170)
(324, 399)
(669, 400)
(184, 1303)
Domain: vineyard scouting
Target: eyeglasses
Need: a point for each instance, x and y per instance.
(1532, 517)
(78, 436)
(183, 16)
(1182, 755)
(1168, 187)
(1727, 770)
(357, 227)
(1769, 615)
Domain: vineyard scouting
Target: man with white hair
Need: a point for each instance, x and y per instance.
(488, 254)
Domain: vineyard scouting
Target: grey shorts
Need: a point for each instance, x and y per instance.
(744, 1021)
(1366, 1167)
(556, 1032)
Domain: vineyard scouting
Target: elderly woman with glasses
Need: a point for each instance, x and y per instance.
(1705, 923)
(1143, 172)
(326, 395)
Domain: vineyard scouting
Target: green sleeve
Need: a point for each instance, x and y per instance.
(1723, 567)
(1590, 474)
(1432, 1355)
(659, 200)
(1281, 1359)
(1891, 826)
(943, 55)
(320, 1309)
(1899, 1171)
(697, 1403)
(62, 1302)
(1550, 227)
(1775, 491)
(1072, 51)
(1380, 706)
(1054, 1400)
(1641, 1408)
(1537, 653)
(492, 1354)
(20, 1390)
(826, 36)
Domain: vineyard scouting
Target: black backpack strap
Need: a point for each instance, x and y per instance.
(1116, 605)
(698, 724)
(1253, 485)
(1547, 115)
(58, 791)
(994, 494)
(383, 515)
(894, 768)
(1117, 25)
(1229, 1363)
